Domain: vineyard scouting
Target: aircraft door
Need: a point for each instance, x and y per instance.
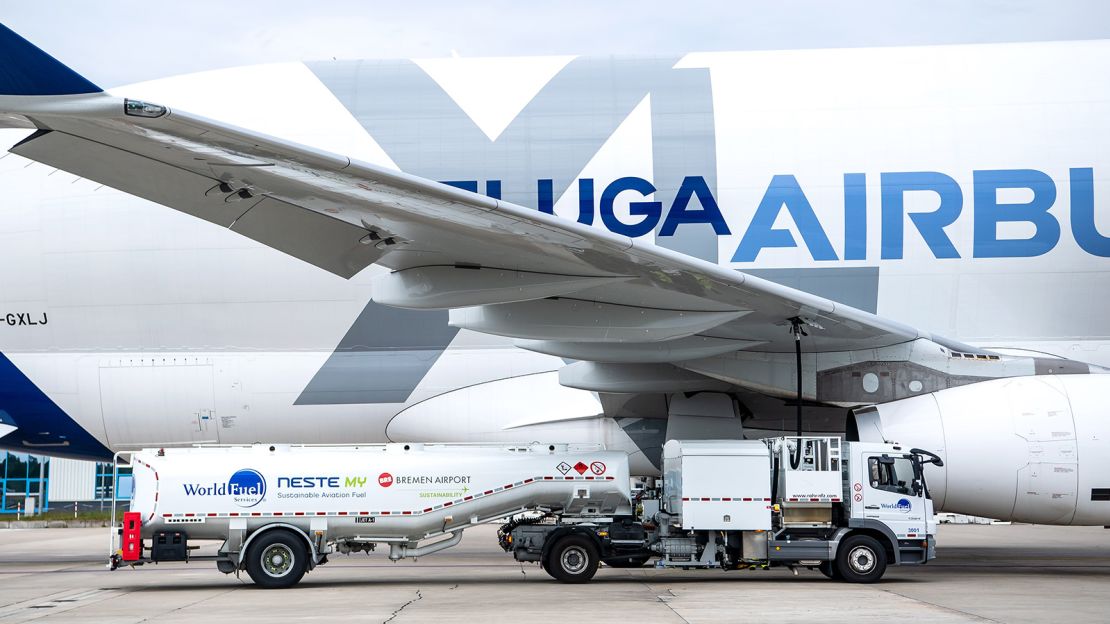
(158, 401)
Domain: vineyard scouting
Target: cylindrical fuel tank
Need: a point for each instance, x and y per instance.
(388, 491)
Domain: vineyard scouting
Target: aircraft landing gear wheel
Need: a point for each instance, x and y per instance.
(573, 559)
(277, 559)
(828, 568)
(861, 559)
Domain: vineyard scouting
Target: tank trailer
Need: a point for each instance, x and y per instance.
(279, 511)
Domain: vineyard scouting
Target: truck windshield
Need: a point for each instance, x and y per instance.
(893, 474)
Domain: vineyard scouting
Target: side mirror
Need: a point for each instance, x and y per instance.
(927, 457)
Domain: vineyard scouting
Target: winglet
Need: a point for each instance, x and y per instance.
(27, 70)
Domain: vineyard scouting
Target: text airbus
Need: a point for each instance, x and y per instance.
(694, 202)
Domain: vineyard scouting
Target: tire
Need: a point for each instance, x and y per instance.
(829, 569)
(627, 562)
(573, 559)
(861, 559)
(277, 559)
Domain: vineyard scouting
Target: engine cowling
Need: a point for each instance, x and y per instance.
(1027, 449)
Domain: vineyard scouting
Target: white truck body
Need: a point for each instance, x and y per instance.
(389, 491)
(704, 484)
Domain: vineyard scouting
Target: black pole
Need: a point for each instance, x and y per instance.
(798, 370)
(796, 327)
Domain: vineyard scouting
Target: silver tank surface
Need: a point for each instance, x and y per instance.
(386, 491)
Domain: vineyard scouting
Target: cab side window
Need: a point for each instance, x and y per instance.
(893, 475)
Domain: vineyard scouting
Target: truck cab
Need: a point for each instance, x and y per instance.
(892, 491)
(855, 497)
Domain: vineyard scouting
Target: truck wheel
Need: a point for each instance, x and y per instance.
(573, 559)
(277, 559)
(828, 568)
(861, 559)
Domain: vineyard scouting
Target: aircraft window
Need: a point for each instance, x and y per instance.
(138, 108)
(893, 474)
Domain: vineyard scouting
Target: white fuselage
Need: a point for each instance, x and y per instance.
(149, 327)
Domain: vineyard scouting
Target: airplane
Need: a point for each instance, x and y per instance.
(894, 244)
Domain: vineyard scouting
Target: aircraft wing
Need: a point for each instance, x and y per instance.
(557, 286)
(505, 269)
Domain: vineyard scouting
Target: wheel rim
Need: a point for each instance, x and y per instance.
(277, 560)
(862, 559)
(574, 559)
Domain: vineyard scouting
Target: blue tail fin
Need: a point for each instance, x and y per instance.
(27, 70)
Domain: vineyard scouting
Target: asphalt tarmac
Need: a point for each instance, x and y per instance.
(993, 573)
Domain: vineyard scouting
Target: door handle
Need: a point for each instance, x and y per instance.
(871, 507)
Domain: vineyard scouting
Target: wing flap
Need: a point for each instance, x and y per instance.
(318, 239)
(144, 177)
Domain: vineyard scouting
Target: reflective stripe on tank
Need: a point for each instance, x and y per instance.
(156, 485)
(726, 499)
(447, 504)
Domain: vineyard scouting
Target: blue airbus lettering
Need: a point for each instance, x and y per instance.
(784, 192)
(899, 193)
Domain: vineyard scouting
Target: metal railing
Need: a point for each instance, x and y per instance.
(113, 544)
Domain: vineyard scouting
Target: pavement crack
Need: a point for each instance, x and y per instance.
(662, 599)
(940, 606)
(186, 606)
(401, 608)
(60, 601)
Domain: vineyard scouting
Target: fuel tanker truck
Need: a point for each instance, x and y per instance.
(279, 511)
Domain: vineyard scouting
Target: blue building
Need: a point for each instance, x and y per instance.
(45, 484)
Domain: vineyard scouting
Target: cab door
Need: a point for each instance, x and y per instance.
(892, 494)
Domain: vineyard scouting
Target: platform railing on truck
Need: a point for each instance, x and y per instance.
(115, 537)
(816, 453)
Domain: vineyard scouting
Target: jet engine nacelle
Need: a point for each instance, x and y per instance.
(1027, 449)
